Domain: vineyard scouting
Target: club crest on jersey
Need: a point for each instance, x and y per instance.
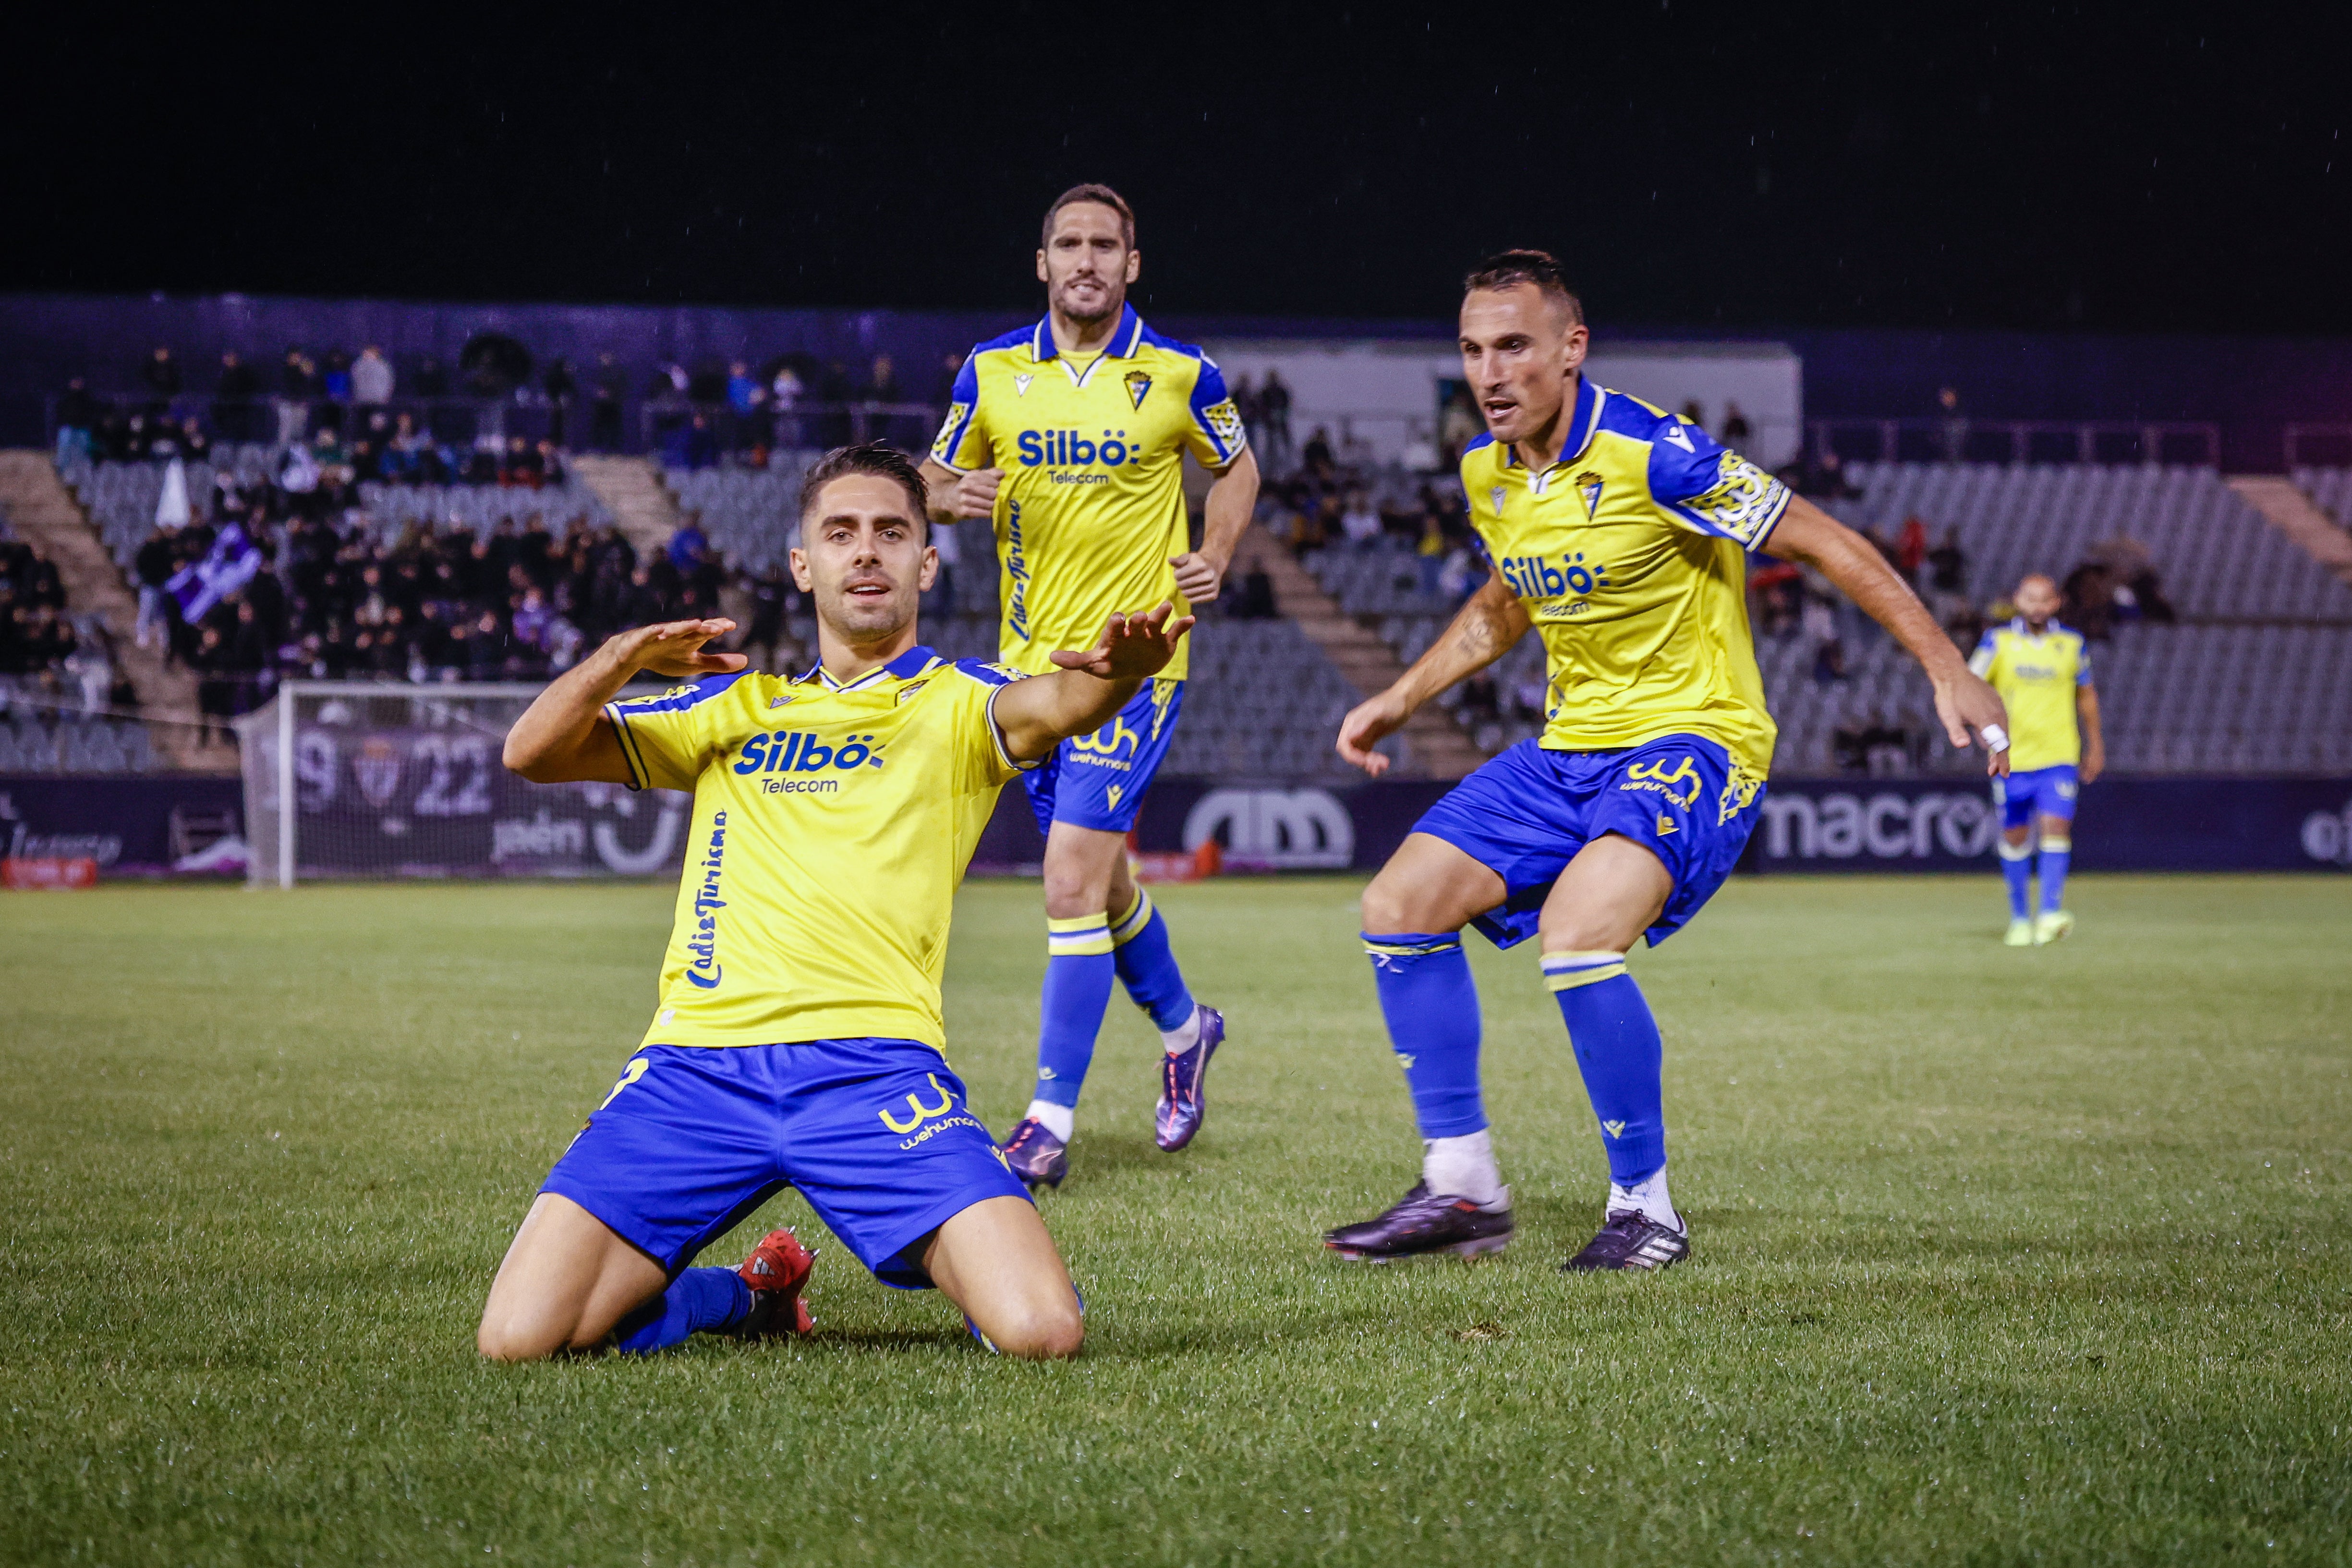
(1138, 386)
(1021, 385)
(1588, 485)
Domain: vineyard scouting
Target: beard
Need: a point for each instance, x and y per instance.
(1114, 299)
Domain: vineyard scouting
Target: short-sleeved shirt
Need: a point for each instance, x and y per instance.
(2037, 677)
(1092, 506)
(1629, 556)
(832, 824)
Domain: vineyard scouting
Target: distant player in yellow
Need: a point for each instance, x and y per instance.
(797, 1041)
(2043, 672)
(1620, 535)
(1069, 434)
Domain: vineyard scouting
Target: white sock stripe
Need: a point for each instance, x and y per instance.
(1133, 923)
(1568, 971)
(2051, 846)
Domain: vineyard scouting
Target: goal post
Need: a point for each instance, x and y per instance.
(359, 778)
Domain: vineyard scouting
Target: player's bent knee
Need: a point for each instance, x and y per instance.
(1042, 1334)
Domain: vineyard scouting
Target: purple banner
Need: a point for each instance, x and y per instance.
(137, 826)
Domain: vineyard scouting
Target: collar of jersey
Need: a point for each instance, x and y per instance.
(905, 667)
(2018, 627)
(1584, 423)
(1123, 341)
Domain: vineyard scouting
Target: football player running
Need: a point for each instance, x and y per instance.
(2043, 672)
(798, 1038)
(1620, 533)
(1070, 433)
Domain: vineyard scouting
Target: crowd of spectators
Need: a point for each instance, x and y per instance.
(334, 596)
(46, 653)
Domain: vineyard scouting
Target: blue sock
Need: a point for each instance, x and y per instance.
(1147, 965)
(1432, 1008)
(2056, 854)
(697, 1299)
(1619, 1053)
(2017, 870)
(1079, 969)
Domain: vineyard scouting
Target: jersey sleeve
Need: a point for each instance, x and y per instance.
(2081, 662)
(1711, 489)
(668, 739)
(983, 762)
(1980, 662)
(963, 444)
(1215, 435)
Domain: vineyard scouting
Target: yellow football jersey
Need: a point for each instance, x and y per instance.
(2037, 677)
(832, 824)
(1628, 554)
(1092, 453)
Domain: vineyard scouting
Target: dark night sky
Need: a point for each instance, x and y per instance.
(1895, 165)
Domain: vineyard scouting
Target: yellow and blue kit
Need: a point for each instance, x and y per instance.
(2037, 677)
(797, 1039)
(1089, 515)
(1628, 554)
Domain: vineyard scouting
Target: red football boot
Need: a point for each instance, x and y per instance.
(777, 1270)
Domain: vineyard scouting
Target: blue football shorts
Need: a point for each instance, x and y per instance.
(1097, 780)
(2044, 792)
(875, 1133)
(1527, 812)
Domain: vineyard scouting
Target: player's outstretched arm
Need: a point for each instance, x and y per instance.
(950, 496)
(1971, 710)
(564, 738)
(1037, 715)
(1489, 623)
(1201, 573)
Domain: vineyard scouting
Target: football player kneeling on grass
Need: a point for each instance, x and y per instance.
(798, 1038)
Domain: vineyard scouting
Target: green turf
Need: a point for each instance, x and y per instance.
(2000, 1255)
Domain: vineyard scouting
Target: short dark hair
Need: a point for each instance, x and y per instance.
(1103, 194)
(1509, 268)
(878, 458)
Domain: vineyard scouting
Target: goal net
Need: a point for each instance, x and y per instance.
(369, 780)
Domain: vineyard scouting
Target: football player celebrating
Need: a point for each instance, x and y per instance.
(798, 1036)
(1070, 434)
(1620, 533)
(2043, 672)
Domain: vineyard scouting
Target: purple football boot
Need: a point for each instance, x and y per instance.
(1034, 1154)
(1180, 1112)
(1630, 1240)
(1424, 1222)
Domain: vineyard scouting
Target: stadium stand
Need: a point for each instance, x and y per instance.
(2331, 488)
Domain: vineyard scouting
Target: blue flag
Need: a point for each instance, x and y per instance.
(227, 567)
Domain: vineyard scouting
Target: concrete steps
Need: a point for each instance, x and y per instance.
(632, 490)
(2286, 508)
(44, 513)
(1436, 743)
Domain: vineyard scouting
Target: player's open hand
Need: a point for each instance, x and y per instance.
(1131, 647)
(1368, 724)
(1200, 576)
(1973, 713)
(676, 648)
(974, 495)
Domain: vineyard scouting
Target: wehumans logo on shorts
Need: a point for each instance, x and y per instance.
(1102, 747)
(924, 1115)
(1655, 775)
(702, 970)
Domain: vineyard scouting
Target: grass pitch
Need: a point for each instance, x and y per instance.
(2000, 1254)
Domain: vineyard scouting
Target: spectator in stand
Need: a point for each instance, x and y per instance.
(1273, 411)
(372, 378)
(1695, 413)
(153, 567)
(1318, 456)
(690, 546)
(557, 383)
(335, 383)
(1361, 522)
(78, 418)
(1954, 426)
(784, 393)
(236, 414)
(297, 382)
(1251, 596)
(2087, 601)
(744, 401)
(604, 406)
(161, 375)
(1911, 549)
(1429, 551)
(1481, 702)
(1735, 430)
